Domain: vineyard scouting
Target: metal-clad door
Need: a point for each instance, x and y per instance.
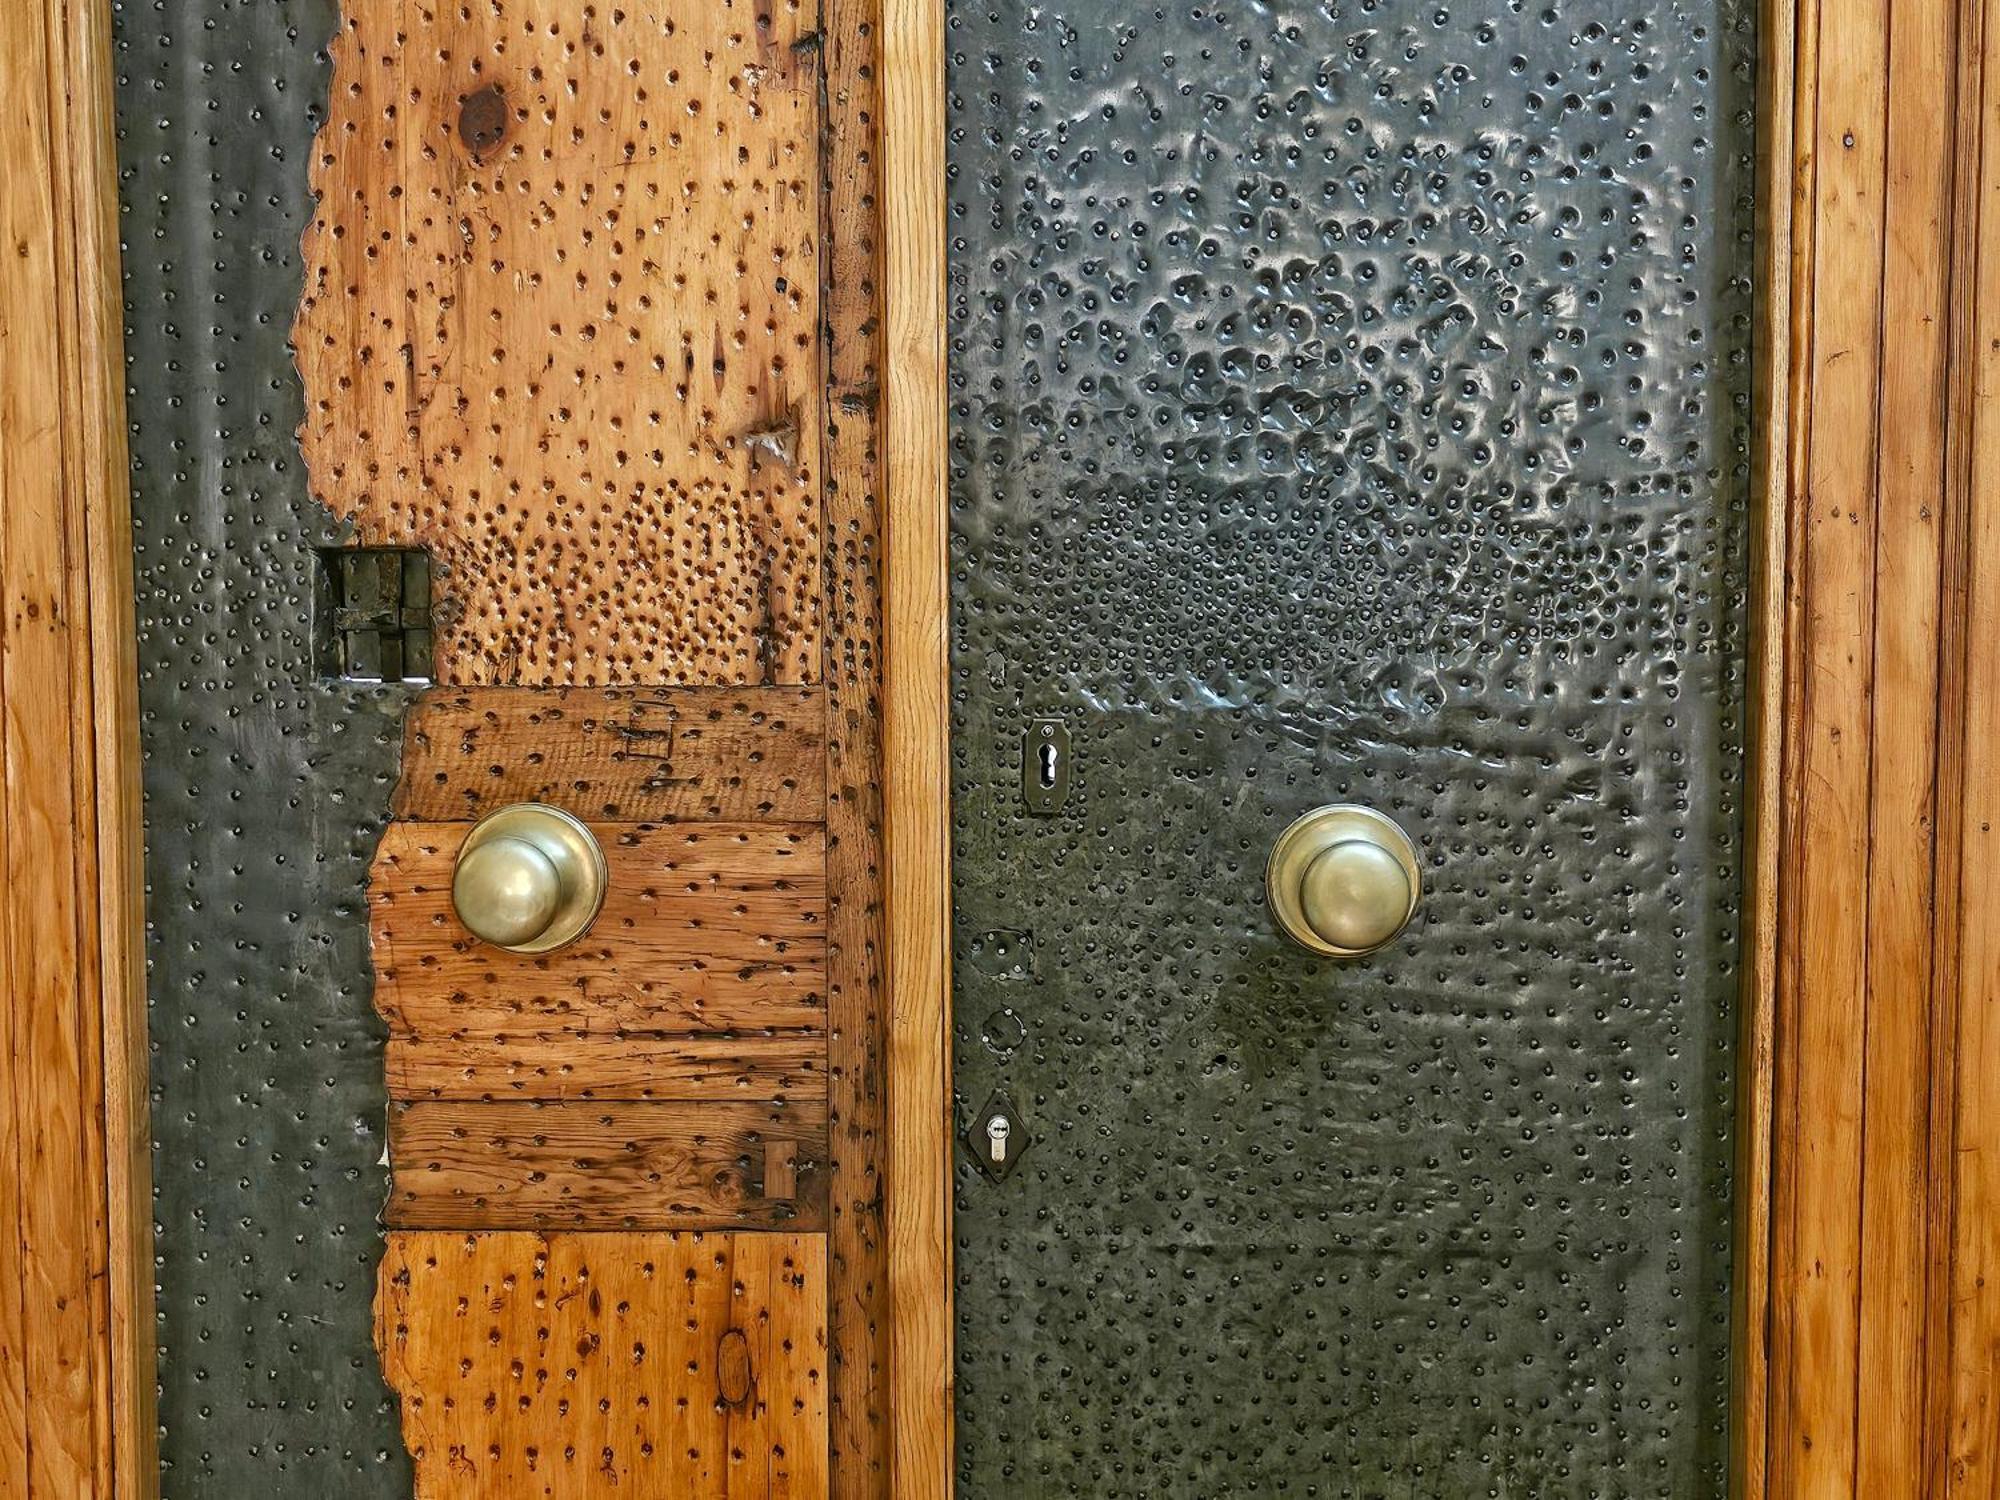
(1349, 405)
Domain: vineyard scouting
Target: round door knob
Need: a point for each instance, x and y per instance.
(1343, 880)
(529, 879)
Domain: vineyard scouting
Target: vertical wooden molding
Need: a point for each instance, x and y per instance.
(1966, 1377)
(916, 776)
(76, 1378)
(1778, 110)
(1864, 978)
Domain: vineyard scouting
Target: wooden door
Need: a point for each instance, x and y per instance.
(584, 323)
(587, 319)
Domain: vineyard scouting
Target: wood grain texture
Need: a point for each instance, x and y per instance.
(615, 1365)
(569, 1065)
(75, 1259)
(706, 927)
(856, 531)
(560, 327)
(681, 1165)
(1967, 1091)
(1858, 715)
(620, 755)
(916, 765)
(1782, 113)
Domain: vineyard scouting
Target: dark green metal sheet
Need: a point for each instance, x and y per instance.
(266, 786)
(1349, 402)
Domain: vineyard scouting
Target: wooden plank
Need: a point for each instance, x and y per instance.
(1893, 1442)
(916, 767)
(75, 1273)
(611, 1365)
(706, 927)
(1782, 112)
(1823, 975)
(680, 1165)
(621, 755)
(1969, 1397)
(74, 1411)
(560, 314)
(564, 1065)
(856, 523)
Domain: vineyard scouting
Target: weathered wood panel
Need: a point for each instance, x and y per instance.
(681, 1165)
(560, 327)
(857, 539)
(706, 927)
(630, 1365)
(621, 755)
(565, 1065)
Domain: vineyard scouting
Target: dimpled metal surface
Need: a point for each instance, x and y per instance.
(266, 788)
(1350, 403)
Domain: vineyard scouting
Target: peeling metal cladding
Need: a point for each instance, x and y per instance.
(266, 788)
(1349, 403)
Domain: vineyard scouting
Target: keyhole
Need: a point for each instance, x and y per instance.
(1048, 767)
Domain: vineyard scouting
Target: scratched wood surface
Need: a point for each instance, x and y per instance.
(706, 927)
(560, 326)
(650, 1365)
(765, 1064)
(617, 754)
(704, 1164)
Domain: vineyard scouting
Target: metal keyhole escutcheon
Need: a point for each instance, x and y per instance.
(529, 879)
(1343, 880)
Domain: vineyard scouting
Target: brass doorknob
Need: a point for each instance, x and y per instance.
(529, 879)
(1343, 880)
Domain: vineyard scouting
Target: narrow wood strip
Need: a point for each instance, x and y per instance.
(1892, 1441)
(706, 927)
(916, 764)
(1972, 1401)
(617, 754)
(1824, 985)
(564, 1065)
(680, 1165)
(1778, 100)
(855, 549)
(60, 1324)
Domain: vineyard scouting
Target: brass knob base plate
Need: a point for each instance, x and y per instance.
(574, 852)
(1312, 835)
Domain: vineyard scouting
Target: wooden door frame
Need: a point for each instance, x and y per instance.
(1859, 120)
(1868, 1184)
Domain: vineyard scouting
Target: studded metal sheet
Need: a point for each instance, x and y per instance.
(1350, 402)
(266, 787)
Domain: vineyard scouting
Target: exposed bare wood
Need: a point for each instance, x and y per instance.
(1858, 687)
(1778, 124)
(622, 755)
(707, 927)
(1968, 1380)
(585, 1365)
(915, 767)
(559, 327)
(680, 1165)
(75, 1261)
(856, 557)
(566, 1065)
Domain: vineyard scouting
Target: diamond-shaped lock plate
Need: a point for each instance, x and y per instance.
(998, 1137)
